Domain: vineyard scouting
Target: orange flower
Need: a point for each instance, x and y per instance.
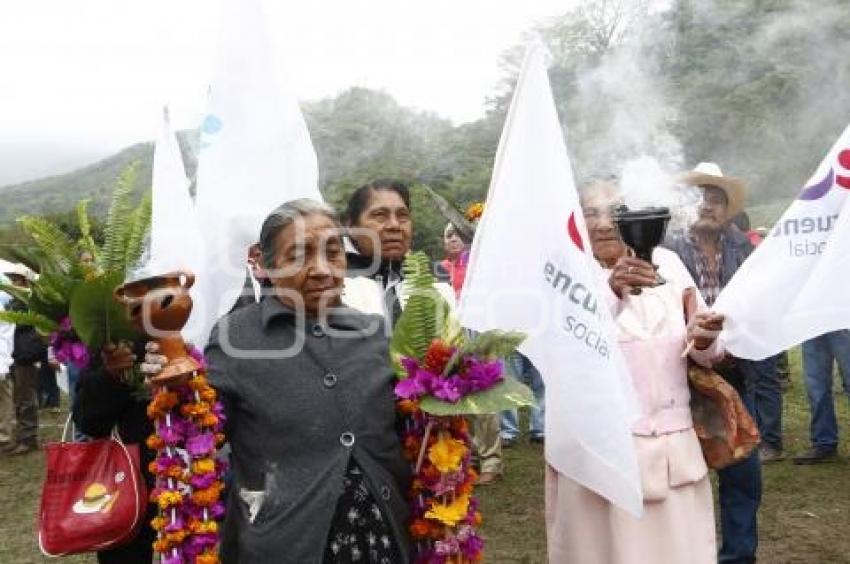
(203, 466)
(420, 528)
(407, 407)
(474, 211)
(477, 519)
(207, 558)
(161, 545)
(167, 499)
(208, 496)
(209, 420)
(154, 442)
(447, 454)
(157, 523)
(174, 472)
(208, 394)
(176, 537)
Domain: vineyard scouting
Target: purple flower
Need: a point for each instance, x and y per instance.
(483, 375)
(200, 445)
(447, 390)
(172, 557)
(202, 481)
(196, 354)
(409, 388)
(65, 324)
(410, 365)
(176, 525)
(472, 545)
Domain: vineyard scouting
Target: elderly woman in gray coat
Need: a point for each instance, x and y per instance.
(307, 385)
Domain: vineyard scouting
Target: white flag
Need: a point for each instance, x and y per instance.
(175, 240)
(255, 154)
(793, 287)
(530, 271)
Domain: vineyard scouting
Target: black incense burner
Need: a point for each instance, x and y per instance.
(642, 230)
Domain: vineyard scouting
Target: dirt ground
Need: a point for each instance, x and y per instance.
(805, 516)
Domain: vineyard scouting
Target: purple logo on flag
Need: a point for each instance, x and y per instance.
(820, 189)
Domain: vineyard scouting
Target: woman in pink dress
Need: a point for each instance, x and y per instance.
(677, 526)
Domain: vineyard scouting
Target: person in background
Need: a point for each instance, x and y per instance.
(48, 389)
(525, 372)
(768, 378)
(381, 230)
(677, 525)
(819, 358)
(713, 250)
(486, 444)
(29, 353)
(7, 342)
(457, 258)
(106, 400)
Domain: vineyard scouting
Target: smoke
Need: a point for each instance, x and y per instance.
(645, 184)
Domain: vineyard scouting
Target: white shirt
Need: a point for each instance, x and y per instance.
(7, 342)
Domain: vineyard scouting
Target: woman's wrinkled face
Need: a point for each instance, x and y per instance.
(604, 236)
(389, 218)
(453, 244)
(309, 264)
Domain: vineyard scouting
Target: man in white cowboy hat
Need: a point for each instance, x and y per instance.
(713, 250)
(29, 351)
(7, 342)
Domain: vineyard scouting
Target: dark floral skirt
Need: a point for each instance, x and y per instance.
(359, 530)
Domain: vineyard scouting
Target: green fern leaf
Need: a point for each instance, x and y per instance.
(41, 323)
(140, 221)
(53, 243)
(86, 242)
(117, 223)
(21, 294)
(426, 315)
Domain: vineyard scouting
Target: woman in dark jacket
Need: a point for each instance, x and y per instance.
(105, 401)
(318, 470)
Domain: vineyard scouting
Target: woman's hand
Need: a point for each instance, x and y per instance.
(117, 359)
(154, 362)
(629, 273)
(704, 329)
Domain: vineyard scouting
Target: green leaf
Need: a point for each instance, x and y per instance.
(96, 316)
(86, 241)
(21, 294)
(42, 324)
(118, 225)
(52, 241)
(510, 393)
(139, 224)
(494, 344)
(426, 314)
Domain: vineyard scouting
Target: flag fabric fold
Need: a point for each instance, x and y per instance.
(175, 242)
(791, 288)
(255, 154)
(531, 270)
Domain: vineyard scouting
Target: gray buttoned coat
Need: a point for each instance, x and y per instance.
(295, 418)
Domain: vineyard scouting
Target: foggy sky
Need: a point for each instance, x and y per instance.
(82, 79)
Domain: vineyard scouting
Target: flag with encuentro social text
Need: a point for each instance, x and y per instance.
(531, 270)
(794, 286)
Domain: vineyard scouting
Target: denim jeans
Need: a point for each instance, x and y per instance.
(740, 484)
(526, 373)
(73, 380)
(768, 389)
(819, 357)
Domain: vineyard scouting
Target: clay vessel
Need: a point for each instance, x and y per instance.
(159, 306)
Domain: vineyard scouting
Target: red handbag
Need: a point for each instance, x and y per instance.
(93, 496)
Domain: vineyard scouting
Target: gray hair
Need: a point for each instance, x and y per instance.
(284, 215)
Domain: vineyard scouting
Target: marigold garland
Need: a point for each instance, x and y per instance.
(188, 423)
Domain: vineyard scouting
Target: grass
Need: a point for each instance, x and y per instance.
(805, 514)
